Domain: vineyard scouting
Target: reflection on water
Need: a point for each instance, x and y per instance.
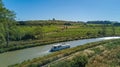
(107, 38)
(18, 56)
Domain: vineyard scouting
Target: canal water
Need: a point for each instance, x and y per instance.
(18, 56)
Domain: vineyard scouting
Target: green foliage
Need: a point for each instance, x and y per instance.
(6, 22)
(112, 45)
(118, 55)
(79, 61)
(2, 38)
(97, 50)
(63, 64)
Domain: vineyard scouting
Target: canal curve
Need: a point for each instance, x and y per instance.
(18, 56)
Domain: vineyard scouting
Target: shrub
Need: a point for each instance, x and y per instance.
(97, 50)
(80, 61)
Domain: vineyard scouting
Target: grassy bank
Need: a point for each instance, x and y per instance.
(57, 55)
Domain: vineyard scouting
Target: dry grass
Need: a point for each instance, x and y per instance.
(108, 58)
(88, 52)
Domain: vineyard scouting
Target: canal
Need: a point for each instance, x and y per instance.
(18, 56)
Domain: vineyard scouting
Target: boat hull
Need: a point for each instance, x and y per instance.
(60, 48)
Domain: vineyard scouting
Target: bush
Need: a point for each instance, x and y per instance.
(80, 61)
(97, 50)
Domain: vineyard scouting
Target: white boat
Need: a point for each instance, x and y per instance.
(59, 47)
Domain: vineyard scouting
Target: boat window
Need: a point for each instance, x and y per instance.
(58, 46)
(54, 47)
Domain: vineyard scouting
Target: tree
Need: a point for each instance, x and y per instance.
(79, 61)
(113, 29)
(7, 19)
(2, 34)
(88, 34)
(103, 30)
(39, 33)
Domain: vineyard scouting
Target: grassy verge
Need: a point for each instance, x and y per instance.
(104, 55)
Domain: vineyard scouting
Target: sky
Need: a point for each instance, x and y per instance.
(74, 10)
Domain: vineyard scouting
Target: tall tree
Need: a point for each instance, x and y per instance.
(113, 29)
(7, 19)
(103, 30)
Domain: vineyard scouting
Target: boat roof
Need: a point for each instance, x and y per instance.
(60, 44)
(57, 45)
